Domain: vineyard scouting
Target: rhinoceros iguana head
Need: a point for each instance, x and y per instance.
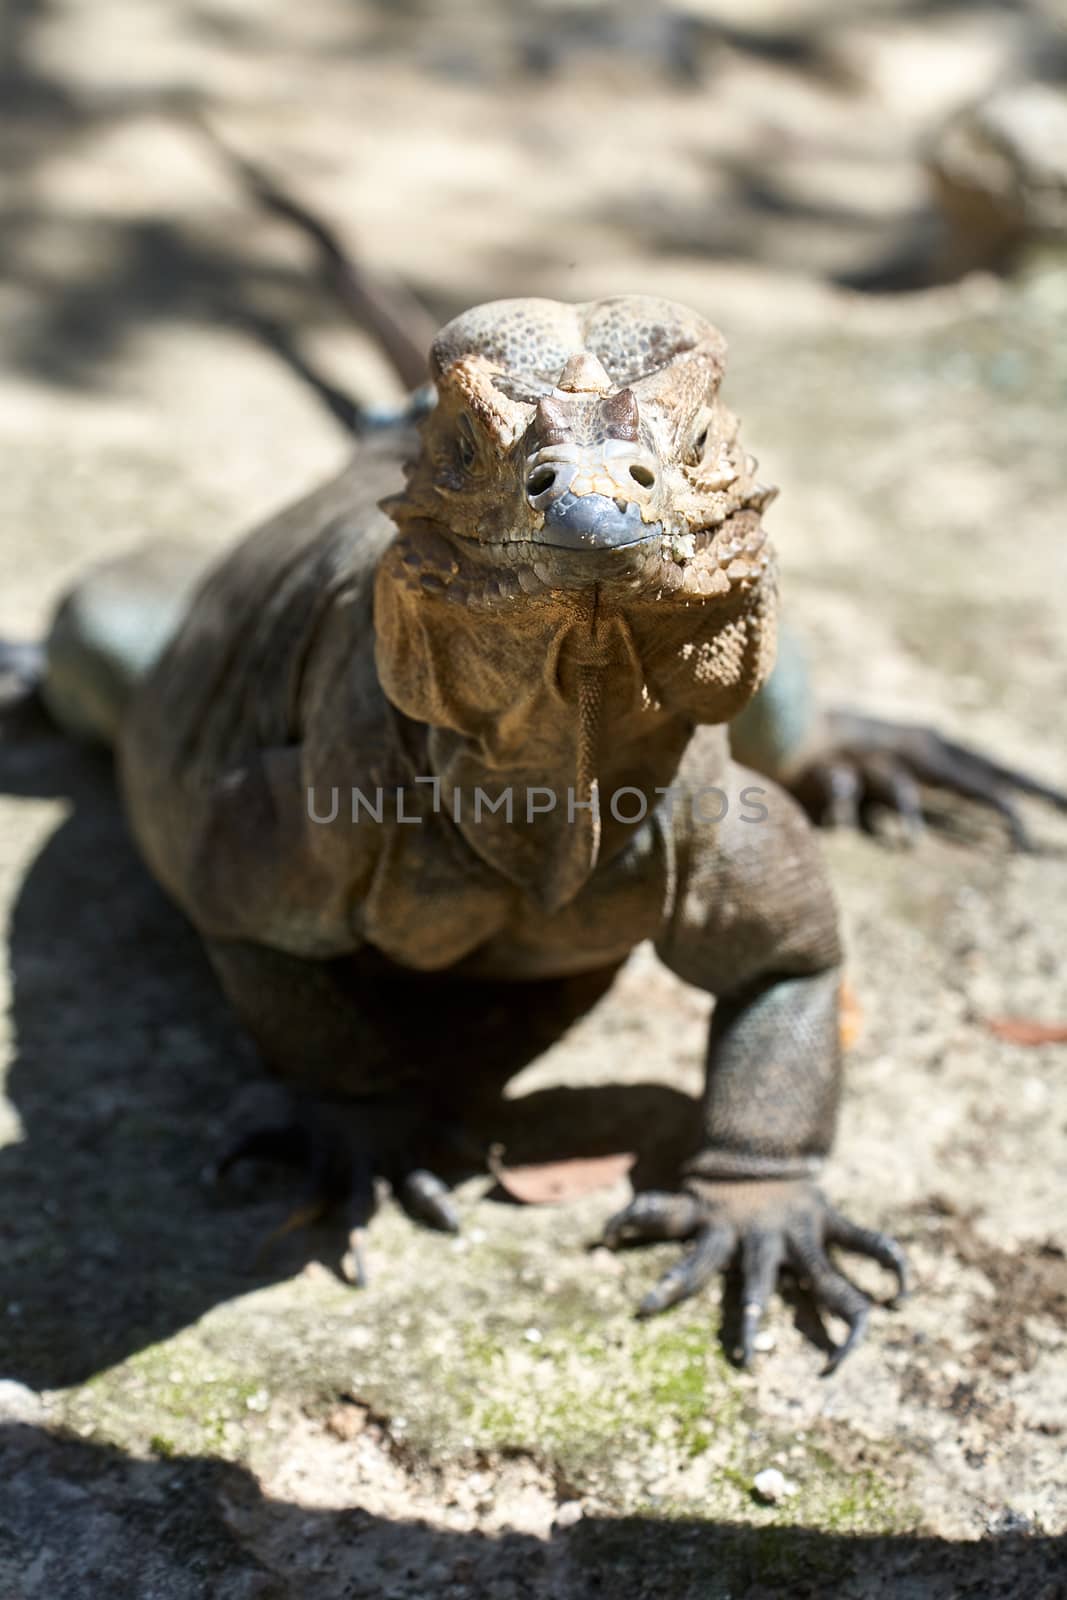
(575, 446)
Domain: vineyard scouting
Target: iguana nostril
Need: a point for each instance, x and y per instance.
(540, 479)
(643, 475)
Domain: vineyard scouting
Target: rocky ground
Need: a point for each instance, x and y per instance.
(186, 1415)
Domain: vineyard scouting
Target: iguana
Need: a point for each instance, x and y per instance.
(427, 755)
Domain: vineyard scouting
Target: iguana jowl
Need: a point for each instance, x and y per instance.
(571, 595)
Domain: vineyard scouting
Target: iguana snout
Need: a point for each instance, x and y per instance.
(590, 476)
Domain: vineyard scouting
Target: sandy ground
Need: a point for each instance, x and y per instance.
(186, 1417)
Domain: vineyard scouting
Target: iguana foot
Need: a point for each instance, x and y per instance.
(769, 1224)
(868, 765)
(342, 1170)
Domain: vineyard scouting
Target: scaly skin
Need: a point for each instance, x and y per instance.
(576, 597)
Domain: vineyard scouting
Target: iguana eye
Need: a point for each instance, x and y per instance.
(466, 447)
(696, 449)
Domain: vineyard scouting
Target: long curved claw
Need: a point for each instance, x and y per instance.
(857, 1327)
(714, 1246)
(762, 1250)
(426, 1198)
(955, 766)
(769, 1224)
(830, 792)
(362, 1201)
(651, 1217)
(870, 762)
(309, 1211)
(831, 1288)
(354, 1260)
(286, 1143)
(870, 1242)
(341, 1170)
(891, 787)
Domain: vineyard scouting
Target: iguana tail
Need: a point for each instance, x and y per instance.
(114, 625)
(378, 303)
(382, 306)
(106, 635)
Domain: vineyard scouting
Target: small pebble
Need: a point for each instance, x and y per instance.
(348, 1420)
(1009, 1521)
(770, 1486)
(18, 1403)
(569, 1513)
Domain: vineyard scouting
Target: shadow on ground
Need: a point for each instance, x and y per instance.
(128, 1075)
(84, 1520)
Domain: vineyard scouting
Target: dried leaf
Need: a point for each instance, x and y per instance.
(549, 1183)
(1025, 1030)
(850, 1016)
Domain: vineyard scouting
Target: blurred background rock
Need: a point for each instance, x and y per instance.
(802, 171)
(730, 153)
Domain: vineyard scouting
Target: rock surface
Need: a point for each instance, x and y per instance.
(183, 1416)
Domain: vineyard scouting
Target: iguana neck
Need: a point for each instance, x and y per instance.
(541, 708)
(565, 692)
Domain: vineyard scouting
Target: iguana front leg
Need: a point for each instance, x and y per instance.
(391, 1073)
(844, 766)
(754, 923)
(342, 1035)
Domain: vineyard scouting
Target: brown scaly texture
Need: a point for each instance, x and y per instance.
(573, 596)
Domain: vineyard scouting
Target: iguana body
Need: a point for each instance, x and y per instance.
(566, 601)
